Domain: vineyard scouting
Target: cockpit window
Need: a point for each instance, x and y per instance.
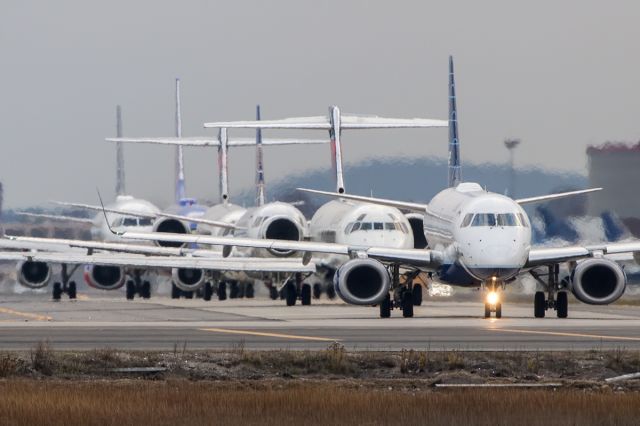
(523, 220)
(356, 226)
(497, 219)
(144, 221)
(484, 219)
(361, 217)
(507, 219)
(130, 221)
(366, 226)
(390, 226)
(378, 225)
(467, 220)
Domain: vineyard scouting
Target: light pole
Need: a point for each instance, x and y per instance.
(510, 144)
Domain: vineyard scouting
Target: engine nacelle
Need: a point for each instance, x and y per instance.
(281, 228)
(416, 220)
(104, 277)
(188, 279)
(34, 274)
(362, 281)
(598, 281)
(171, 226)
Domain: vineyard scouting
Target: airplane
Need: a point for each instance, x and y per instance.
(475, 238)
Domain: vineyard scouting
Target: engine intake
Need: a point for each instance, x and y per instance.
(362, 281)
(34, 274)
(171, 226)
(598, 281)
(282, 228)
(104, 277)
(188, 279)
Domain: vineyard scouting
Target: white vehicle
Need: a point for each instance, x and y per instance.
(475, 238)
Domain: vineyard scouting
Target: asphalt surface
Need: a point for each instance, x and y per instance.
(95, 321)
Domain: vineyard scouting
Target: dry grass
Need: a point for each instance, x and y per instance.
(275, 403)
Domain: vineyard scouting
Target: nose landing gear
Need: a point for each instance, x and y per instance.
(492, 302)
(556, 299)
(66, 286)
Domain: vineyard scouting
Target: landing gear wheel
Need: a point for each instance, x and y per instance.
(241, 290)
(305, 294)
(539, 305)
(331, 292)
(146, 290)
(417, 295)
(407, 304)
(175, 291)
(249, 291)
(498, 310)
(188, 294)
(290, 293)
(562, 304)
(317, 290)
(385, 307)
(233, 290)
(273, 293)
(72, 290)
(222, 290)
(57, 291)
(130, 290)
(487, 310)
(207, 291)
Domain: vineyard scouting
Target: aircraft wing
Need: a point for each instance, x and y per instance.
(550, 197)
(417, 257)
(105, 209)
(56, 217)
(216, 142)
(552, 255)
(417, 207)
(245, 264)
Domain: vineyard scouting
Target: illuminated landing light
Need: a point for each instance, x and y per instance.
(493, 297)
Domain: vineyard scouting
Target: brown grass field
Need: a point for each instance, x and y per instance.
(33, 402)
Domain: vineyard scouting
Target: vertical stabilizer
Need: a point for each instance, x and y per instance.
(222, 165)
(120, 189)
(455, 175)
(180, 184)
(336, 146)
(260, 196)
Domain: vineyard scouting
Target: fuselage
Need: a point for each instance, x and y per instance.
(483, 235)
(120, 223)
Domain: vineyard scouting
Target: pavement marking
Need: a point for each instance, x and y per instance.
(263, 334)
(557, 333)
(36, 317)
(82, 297)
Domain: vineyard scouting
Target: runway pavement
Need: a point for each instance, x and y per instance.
(96, 321)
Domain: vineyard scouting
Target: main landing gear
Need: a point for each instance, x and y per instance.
(136, 285)
(556, 299)
(65, 286)
(405, 296)
(295, 289)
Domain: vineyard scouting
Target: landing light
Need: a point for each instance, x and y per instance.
(492, 297)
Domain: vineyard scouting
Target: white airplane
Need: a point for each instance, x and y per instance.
(475, 238)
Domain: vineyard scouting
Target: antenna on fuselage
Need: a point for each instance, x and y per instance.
(455, 175)
(260, 196)
(120, 189)
(335, 131)
(223, 138)
(180, 181)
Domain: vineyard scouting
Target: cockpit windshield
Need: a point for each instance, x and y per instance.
(494, 219)
(377, 226)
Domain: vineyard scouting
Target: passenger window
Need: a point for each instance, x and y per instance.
(467, 220)
(378, 226)
(366, 226)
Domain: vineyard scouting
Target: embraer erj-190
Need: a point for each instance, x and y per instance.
(475, 238)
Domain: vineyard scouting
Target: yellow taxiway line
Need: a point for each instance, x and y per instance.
(263, 334)
(558, 333)
(36, 317)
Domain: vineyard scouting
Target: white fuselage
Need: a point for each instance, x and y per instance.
(483, 235)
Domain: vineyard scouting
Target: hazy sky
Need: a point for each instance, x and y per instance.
(558, 75)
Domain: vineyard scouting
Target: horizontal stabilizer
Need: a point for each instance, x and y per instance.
(323, 123)
(215, 142)
(417, 207)
(550, 197)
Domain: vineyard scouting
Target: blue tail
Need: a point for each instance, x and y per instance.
(455, 175)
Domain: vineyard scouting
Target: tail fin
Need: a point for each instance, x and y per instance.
(455, 175)
(180, 183)
(120, 189)
(259, 163)
(335, 120)
(223, 139)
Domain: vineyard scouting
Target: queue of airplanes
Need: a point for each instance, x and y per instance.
(367, 250)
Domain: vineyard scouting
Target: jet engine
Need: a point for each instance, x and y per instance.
(188, 279)
(34, 274)
(281, 228)
(104, 277)
(362, 281)
(598, 281)
(416, 220)
(171, 226)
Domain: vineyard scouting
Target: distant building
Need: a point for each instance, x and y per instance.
(616, 168)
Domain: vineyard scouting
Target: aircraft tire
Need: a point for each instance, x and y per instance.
(175, 291)
(487, 310)
(73, 292)
(331, 292)
(57, 291)
(222, 290)
(233, 290)
(562, 304)
(417, 295)
(130, 290)
(305, 294)
(317, 290)
(207, 291)
(498, 310)
(273, 293)
(290, 294)
(385, 307)
(188, 294)
(249, 291)
(538, 305)
(407, 304)
(146, 290)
